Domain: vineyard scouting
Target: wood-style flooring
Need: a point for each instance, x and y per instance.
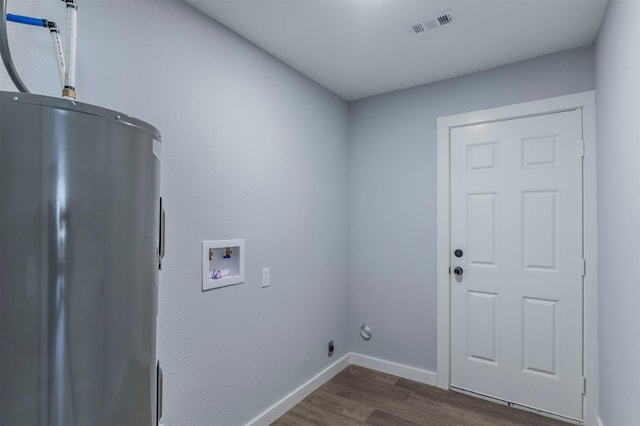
(359, 396)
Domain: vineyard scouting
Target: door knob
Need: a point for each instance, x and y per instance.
(458, 271)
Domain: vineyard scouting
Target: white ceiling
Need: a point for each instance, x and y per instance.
(360, 48)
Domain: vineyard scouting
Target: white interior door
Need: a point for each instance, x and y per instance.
(516, 216)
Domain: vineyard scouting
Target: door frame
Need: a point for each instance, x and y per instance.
(585, 101)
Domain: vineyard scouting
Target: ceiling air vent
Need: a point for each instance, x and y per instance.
(417, 28)
(423, 25)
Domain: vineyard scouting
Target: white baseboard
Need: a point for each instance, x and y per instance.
(400, 370)
(272, 413)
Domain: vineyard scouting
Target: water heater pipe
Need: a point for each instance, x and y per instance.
(5, 52)
(69, 90)
(57, 49)
(55, 38)
(27, 20)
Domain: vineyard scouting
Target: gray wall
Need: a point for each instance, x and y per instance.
(251, 149)
(392, 195)
(618, 85)
(254, 150)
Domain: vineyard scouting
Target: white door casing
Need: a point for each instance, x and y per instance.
(516, 215)
(535, 306)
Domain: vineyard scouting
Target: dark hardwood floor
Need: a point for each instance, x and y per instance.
(359, 396)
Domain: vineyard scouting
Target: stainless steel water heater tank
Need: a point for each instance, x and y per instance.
(80, 247)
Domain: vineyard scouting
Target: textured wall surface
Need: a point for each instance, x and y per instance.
(251, 149)
(392, 195)
(618, 91)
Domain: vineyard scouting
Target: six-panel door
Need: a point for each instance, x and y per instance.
(516, 213)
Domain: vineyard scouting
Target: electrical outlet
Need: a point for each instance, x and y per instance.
(330, 347)
(266, 277)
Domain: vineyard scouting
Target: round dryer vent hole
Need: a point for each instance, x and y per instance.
(365, 331)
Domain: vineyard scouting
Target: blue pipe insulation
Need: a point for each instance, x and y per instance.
(27, 20)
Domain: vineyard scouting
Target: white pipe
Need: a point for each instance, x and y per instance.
(57, 50)
(72, 26)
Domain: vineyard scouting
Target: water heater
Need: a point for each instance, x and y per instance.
(81, 241)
